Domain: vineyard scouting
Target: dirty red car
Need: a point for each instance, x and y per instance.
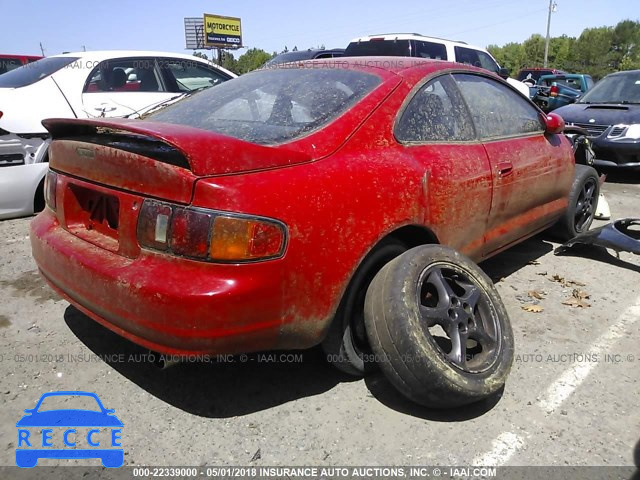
(254, 216)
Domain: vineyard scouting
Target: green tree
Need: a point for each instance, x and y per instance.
(252, 59)
(511, 56)
(625, 54)
(200, 55)
(229, 62)
(534, 50)
(597, 51)
(593, 52)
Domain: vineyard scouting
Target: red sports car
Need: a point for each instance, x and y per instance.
(254, 216)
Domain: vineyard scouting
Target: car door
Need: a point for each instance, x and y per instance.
(528, 167)
(436, 130)
(124, 86)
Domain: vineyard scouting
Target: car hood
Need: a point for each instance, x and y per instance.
(600, 114)
(69, 418)
(24, 108)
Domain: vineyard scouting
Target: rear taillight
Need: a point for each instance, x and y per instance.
(50, 182)
(209, 235)
(553, 91)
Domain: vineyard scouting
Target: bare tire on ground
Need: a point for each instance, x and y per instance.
(438, 328)
(346, 342)
(583, 201)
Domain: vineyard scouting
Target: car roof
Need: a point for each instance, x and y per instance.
(100, 55)
(391, 64)
(416, 36)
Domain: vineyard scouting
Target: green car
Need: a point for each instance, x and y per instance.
(555, 91)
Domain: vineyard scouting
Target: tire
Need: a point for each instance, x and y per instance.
(346, 342)
(433, 287)
(38, 199)
(583, 202)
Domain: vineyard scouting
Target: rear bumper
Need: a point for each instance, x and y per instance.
(167, 304)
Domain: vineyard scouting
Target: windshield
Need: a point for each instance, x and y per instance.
(617, 88)
(272, 106)
(33, 72)
(377, 48)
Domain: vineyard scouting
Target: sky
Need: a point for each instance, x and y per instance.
(74, 25)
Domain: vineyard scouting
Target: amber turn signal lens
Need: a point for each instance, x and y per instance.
(237, 239)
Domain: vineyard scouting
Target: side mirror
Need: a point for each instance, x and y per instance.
(554, 123)
(504, 73)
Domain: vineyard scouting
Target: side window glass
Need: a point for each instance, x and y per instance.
(433, 115)
(186, 75)
(127, 75)
(436, 51)
(476, 58)
(497, 111)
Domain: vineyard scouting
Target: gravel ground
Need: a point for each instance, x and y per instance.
(571, 399)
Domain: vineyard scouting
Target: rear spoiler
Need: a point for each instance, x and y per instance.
(207, 153)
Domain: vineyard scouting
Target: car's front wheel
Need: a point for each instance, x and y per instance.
(583, 201)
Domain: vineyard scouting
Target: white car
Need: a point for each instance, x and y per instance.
(421, 46)
(82, 85)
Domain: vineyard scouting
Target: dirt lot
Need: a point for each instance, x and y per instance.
(571, 399)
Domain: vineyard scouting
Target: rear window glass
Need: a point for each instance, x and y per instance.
(272, 106)
(391, 48)
(33, 72)
(8, 64)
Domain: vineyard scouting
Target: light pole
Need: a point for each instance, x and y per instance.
(552, 8)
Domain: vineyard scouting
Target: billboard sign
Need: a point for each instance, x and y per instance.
(222, 32)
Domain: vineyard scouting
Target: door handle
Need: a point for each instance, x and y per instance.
(504, 169)
(105, 108)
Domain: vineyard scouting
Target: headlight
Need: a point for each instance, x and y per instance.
(633, 132)
(624, 132)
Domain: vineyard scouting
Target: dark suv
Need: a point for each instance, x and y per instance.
(300, 55)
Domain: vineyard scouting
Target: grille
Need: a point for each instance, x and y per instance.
(616, 131)
(594, 130)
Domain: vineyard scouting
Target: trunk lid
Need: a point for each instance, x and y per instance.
(203, 153)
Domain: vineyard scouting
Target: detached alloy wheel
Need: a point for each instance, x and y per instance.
(438, 328)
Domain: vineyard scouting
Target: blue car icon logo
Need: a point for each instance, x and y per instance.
(69, 433)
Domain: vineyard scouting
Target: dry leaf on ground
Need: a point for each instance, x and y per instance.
(566, 283)
(537, 294)
(580, 294)
(532, 308)
(576, 303)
